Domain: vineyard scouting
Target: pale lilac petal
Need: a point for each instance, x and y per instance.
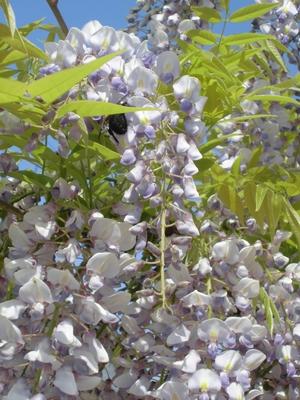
(35, 291)
(248, 288)
(228, 361)
(65, 381)
(253, 358)
(206, 380)
(235, 391)
(104, 264)
(12, 309)
(227, 251)
(180, 335)
(85, 383)
(64, 333)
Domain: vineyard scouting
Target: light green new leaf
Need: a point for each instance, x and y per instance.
(28, 28)
(229, 195)
(255, 157)
(9, 15)
(225, 4)
(51, 87)
(261, 192)
(33, 178)
(211, 144)
(286, 84)
(103, 152)
(251, 12)
(293, 218)
(245, 38)
(10, 90)
(90, 108)
(273, 97)
(265, 299)
(208, 14)
(275, 53)
(202, 36)
(20, 43)
(273, 206)
(235, 169)
(26, 47)
(8, 57)
(250, 117)
(28, 112)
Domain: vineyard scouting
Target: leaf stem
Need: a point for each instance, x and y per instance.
(223, 29)
(162, 247)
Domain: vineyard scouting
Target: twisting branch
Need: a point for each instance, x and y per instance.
(59, 18)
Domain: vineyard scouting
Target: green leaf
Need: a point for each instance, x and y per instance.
(202, 36)
(90, 108)
(9, 15)
(276, 55)
(18, 42)
(28, 28)
(10, 90)
(266, 301)
(274, 310)
(27, 112)
(207, 13)
(273, 206)
(46, 154)
(244, 38)
(255, 157)
(250, 117)
(293, 218)
(235, 169)
(251, 12)
(228, 194)
(8, 57)
(51, 87)
(204, 164)
(284, 85)
(36, 179)
(103, 152)
(249, 197)
(273, 97)
(261, 192)
(211, 144)
(225, 4)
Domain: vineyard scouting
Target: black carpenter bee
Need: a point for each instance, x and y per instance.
(117, 125)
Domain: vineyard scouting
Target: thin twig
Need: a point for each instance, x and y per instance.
(10, 208)
(59, 18)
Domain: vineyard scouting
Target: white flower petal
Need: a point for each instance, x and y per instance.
(227, 251)
(87, 382)
(206, 380)
(64, 333)
(180, 335)
(228, 361)
(191, 361)
(63, 278)
(235, 391)
(35, 291)
(12, 309)
(140, 387)
(65, 381)
(19, 391)
(104, 264)
(253, 358)
(248, 288)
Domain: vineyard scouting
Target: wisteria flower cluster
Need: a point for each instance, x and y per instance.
(161, 293)
(283, 22)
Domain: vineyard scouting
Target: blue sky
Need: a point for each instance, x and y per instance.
(108, 12)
